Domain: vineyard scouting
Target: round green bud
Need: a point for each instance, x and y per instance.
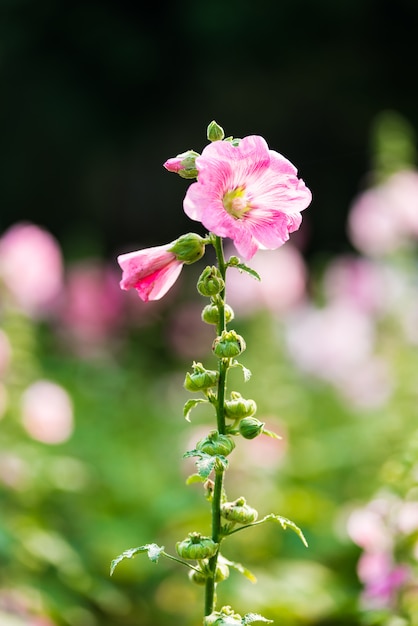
(200, 577)
(196, 546)
(210, 314)
(250, 427)
(216, 443)
(200, 378)
(188, 248)
(215, 132)
(239, 512)
(238, 407)
(228, 345)
(210, 282)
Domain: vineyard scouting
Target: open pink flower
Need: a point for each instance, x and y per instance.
(151, 271)
(248, 193)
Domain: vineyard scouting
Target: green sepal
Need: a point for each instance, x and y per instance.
(190, 404)
(206, 463)
(154, 553)
(235, 262)
(239, 568)
(246, 372)
(285, 523)
(249, 618)
(270, 433)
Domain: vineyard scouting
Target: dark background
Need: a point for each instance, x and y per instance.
(97, 95)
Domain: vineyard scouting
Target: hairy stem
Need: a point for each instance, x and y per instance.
(210, 599)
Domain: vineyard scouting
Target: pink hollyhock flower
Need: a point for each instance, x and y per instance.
(248, 193)
(153, 271)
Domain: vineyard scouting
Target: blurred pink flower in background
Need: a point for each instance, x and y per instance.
(31, 268)
(335, 343)
(357, 282)
(247, 193)
(47, 412)
(385, 218)
(91, 308)
(382, 579)
(368, 529)
(331, 341)
(282, 286)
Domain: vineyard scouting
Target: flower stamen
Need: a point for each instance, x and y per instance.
(236, 203)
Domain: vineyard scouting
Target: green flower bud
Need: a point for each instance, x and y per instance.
(188, 248)
(228, 345)
(224, 617)
(250, 427)
(196, 546)
(238, 511)
(216, 443)
(200, 378)
(238, 407)
(210, 282)
(200, 577)
(215, 132)
(210, 314)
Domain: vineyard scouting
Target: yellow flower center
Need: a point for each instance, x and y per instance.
(235, 202)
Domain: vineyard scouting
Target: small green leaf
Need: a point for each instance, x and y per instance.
(244, 268)
(194, 478)
(239, 568)
(154, 553)
(245, 370)
(190, 404)
(255, 617)
(286, 523)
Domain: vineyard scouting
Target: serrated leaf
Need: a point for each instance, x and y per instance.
(205, 464)
(239, 568)
(244, 268)
(190, 404)
(286, 523)
(249, 618)
(154, 553)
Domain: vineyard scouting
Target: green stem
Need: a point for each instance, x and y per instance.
(210, 599)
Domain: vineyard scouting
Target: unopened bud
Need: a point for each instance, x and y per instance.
(238, 407)
(183, 164)
(215, 443)
(210, 282)
(188, 248)
(239, 512)
(200, 378)
(228, 345)
(215, 132)
(210, 314)
(196, 546)
(250, 427)
(200, 577)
